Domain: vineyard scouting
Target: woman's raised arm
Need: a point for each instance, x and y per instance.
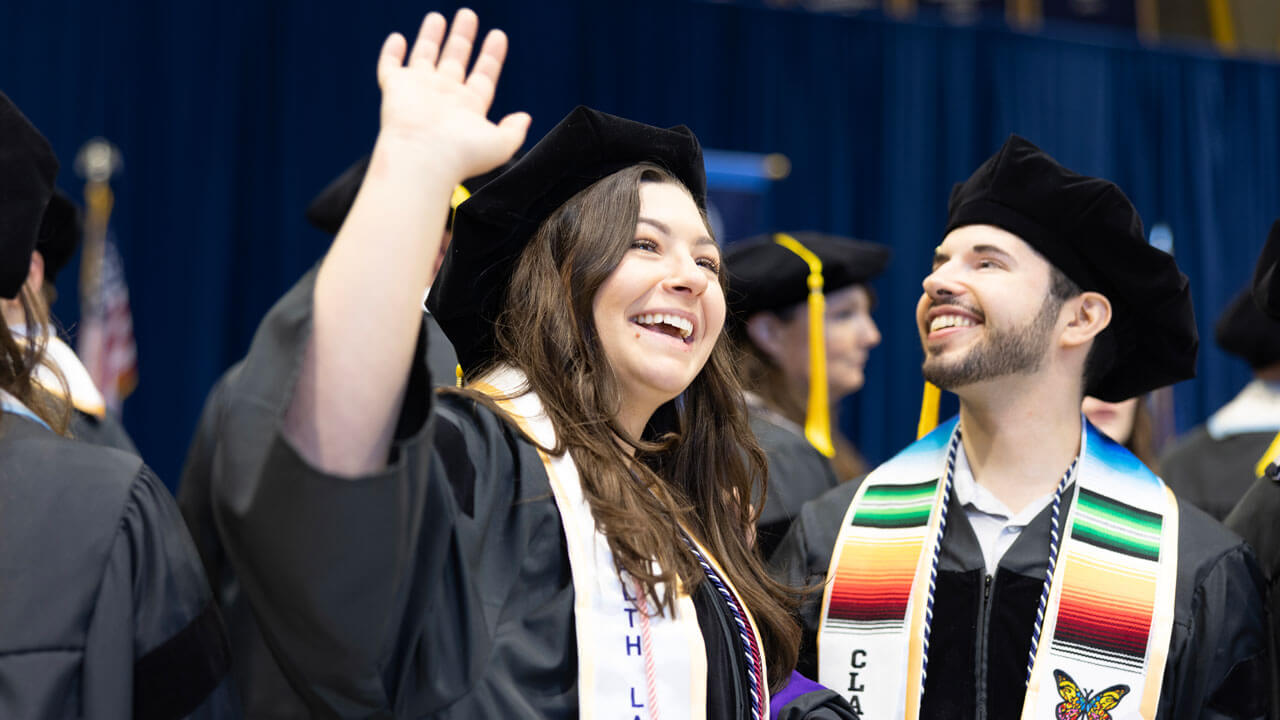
(434, 133)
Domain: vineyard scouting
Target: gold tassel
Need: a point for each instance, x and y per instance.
(460, 195)
(817, 422)
(928, 410)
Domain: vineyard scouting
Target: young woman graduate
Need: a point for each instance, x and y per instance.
(104, 611)
(801, 314)
(567, 536)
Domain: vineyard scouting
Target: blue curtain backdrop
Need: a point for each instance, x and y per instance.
(232, 115)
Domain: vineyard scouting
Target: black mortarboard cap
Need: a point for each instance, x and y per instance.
(328, 210)
(1089, 230)
(764, 275)
(1266, 278)
(1244, 331)
(27, 169)
(492, 228)
(59, 234)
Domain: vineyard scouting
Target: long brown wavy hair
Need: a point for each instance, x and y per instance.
(19, 359)
(697, 460)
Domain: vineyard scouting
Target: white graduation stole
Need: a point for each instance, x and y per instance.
(79, 388)
(631, 662)
(1106, 625)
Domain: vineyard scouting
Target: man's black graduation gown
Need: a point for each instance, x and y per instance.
(104, 610)
(981, 635)
(797, 474)
(439, 586)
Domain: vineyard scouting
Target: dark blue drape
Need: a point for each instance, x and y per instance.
(231, 115)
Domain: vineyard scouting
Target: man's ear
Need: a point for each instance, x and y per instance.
(1089, 313)
(765, 330)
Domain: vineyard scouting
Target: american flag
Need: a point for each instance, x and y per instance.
(105, 343)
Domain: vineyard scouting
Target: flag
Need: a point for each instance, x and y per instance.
(105, 336)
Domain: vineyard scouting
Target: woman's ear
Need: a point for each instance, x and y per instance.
(35, 273)
(1090, 314)
(765, 330)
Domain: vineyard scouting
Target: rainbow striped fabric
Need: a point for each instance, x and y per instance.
(1109, 610)
(1106, 603)
(873, 579)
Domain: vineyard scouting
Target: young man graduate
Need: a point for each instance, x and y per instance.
(1015, 562)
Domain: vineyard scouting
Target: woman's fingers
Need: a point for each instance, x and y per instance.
(391, 57)
(457, 48)
(511, 132)
(483, 80)
(426, 48)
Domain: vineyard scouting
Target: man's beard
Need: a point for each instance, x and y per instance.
(1000, 352)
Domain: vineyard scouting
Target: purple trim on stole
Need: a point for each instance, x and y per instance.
(798, 685)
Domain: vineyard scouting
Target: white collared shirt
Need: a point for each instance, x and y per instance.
(992, 521)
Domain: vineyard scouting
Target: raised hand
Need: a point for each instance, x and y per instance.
(431, 103)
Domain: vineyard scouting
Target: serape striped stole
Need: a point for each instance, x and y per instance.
(1103, 633)
(632, 663)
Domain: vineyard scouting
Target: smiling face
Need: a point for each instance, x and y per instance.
(986, 311)
(659, 314)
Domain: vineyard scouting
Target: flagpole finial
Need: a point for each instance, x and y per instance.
(98, 160)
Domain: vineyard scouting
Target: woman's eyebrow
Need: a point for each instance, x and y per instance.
(661, 226)
(666, 230)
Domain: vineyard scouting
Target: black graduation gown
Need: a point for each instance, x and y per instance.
(104, 611)
(105, 431)
(1213, 474)
(797, 474)
(439, 586)
(1217, 656)
(263, 689)
(1257, 518)
(261, 686)
(442, 361)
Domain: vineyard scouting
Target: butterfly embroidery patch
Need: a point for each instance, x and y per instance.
(1080, 704)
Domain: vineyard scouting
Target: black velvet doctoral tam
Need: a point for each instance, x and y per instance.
(328, 209)
(25, 186)
(1266, 278)
(60, 234)
(494, 225)
(1244, 331)
(764, 275)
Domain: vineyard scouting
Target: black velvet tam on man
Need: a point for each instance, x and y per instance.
(1089, 230)
(494, 225)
